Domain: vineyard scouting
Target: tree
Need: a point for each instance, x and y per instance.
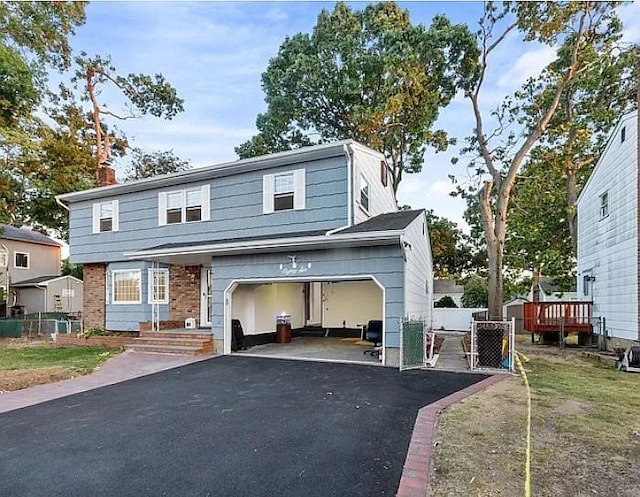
(148, 164)
(475, 292)
(452, 255)
(70, 269)
(144, 94)
(33, 38)
(445, 302)
(369, 75)
(583, 31)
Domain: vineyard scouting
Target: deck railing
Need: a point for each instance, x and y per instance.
(566, 317)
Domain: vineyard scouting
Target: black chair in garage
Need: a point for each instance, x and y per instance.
(237, 336)
(373, 333)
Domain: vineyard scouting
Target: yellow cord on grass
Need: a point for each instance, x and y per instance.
(527, 465)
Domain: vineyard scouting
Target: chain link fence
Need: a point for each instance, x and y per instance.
(417, 344)
(33, 326)
(492, 345)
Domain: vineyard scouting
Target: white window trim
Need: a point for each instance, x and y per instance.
(601, 205)
(299, 191)
(113, 287)
(15, 254)
(205, 205)
(164, 271)
(363, 183)
(115, 220)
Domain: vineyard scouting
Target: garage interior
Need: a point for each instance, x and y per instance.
(327, 318)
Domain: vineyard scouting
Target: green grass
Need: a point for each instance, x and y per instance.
(77, 359)
(609, 400)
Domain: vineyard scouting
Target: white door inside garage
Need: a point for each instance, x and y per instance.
(326, 316)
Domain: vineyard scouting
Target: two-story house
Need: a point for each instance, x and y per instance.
(314, 233)
(608, 236)
(30, 281)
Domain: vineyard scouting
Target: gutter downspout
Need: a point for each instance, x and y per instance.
(348, 152)
(62, 204)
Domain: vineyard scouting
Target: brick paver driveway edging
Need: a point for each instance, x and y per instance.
(231, 426)
(414, 481)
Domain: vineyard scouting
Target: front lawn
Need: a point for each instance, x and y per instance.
(23, 366)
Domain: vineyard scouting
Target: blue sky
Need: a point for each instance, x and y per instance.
(215, 52)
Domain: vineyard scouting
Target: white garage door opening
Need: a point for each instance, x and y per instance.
(327, 317)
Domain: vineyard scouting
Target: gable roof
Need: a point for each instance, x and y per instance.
(205, 173)
(42, 281)
(390, 221)
(25, 235)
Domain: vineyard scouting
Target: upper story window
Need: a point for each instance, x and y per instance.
(125, 286)
(604, 205)
(384, 174)
(623, 134)
(21, 260)
(184, 206)
(364, 194)
(105, 216)
(283, 191)
(158, 286)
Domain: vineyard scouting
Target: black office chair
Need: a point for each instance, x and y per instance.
(237, 336)
(373, 333)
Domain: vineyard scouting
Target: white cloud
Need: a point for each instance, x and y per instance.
(630, 15)
(441, 188)
(529, 64)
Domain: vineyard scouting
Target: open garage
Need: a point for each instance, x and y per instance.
(327, 318)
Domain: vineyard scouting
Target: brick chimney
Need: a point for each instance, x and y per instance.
(106, 176)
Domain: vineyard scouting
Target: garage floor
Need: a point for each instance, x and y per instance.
(317, 348)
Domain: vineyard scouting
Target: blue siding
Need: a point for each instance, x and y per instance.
(236, 211)
(127, 317)
(384, 263)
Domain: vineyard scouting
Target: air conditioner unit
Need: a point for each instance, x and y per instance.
(190, 323)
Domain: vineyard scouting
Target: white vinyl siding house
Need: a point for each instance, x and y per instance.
(608, 233)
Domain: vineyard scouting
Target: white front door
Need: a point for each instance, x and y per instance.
(206, 295)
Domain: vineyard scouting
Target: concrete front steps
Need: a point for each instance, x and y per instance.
(176, 342)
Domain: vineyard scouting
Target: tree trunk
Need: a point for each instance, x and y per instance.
(572, 200)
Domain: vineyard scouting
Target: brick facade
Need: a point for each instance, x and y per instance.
(94, 295)
(184, 293)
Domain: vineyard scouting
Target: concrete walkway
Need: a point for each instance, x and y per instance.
(126, 366)
(452, 356)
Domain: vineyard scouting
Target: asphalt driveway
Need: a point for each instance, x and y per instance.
(229, 426)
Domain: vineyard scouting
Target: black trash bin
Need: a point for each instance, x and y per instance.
(490, 348)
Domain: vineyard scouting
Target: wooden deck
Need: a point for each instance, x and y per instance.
(567, 317)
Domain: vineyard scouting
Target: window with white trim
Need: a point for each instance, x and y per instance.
(105, 216)
(158, 286)
(604, 205)
(364, 194)
(21, 260)
(125, 286)
(283, 191)
(184, 206)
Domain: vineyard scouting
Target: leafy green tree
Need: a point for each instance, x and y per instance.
(70, 269)
(583, 33)
(450, 249)
(476, 292)
(445, 302)
(148, 164)
(33, 39)
(370, 75)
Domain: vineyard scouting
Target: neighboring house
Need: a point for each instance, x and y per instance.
(608, 245)
(50, 294)
(551, 293)
(314, 233)
(25, 255)
(444, 287)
